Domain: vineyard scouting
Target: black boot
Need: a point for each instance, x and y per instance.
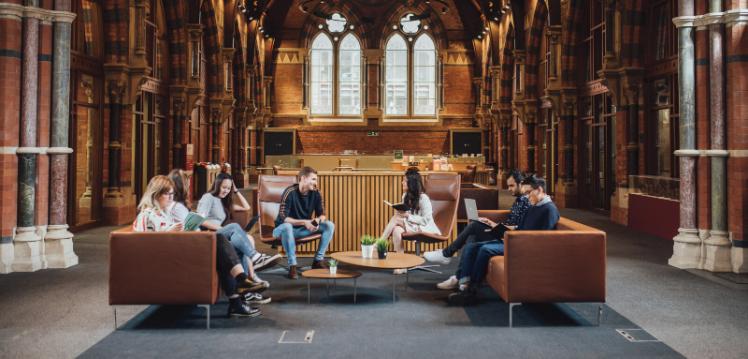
(237, 308)
(466, 297)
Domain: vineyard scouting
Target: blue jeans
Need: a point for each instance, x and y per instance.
(475, 257)
(288, 234)
(238, 238)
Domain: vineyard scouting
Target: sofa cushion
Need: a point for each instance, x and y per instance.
(496, 277)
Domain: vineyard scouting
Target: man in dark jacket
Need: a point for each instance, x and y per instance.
(301, 214)
(475, 231)
(542, 215)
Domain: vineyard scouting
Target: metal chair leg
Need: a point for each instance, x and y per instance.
(207, 314)
(599, 313)
(511, 306)
(115, 317)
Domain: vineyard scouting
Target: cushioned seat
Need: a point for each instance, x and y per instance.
(269, 192)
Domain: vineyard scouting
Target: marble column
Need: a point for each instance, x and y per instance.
(687, 244)
(28, 244)
(58, 243)
(717, 250)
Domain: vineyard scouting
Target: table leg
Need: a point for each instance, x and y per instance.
(327, 283)
(354, 290)
(308, 291)
(394, 282)
(407, 280)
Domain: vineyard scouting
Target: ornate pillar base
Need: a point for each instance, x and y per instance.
(27, 246)
(717, 252)
(566, 194)
(739, 259)
(619, 206)
(7, 255)
(686, 249)
(58, 247)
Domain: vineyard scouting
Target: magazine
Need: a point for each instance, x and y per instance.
(398, 206)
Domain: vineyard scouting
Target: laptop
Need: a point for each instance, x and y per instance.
(471, 209)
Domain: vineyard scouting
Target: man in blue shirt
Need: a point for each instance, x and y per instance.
(542, 215)
(301, 214)
(476, 231)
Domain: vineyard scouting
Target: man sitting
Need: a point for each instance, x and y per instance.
(300, 204)
(542, 215)
(476, 232)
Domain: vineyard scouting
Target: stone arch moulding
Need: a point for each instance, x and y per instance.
(311, 27)
(436, 29)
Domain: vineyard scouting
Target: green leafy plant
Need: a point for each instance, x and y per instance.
(368, 239)
(382, 244)
(332, 263)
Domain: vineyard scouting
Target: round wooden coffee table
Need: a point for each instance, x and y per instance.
(325, 274)
(394, 260)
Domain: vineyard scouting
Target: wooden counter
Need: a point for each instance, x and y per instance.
(354, 202)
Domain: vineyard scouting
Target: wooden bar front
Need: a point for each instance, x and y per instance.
(354, 202)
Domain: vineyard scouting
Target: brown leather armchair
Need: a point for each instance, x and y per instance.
(443, 190)
(269, 192)
(563, 265)
(162, 268)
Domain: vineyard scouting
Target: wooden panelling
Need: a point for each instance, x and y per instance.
(354, 202)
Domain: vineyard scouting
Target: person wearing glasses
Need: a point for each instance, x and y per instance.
(154, 216)
(542, 215)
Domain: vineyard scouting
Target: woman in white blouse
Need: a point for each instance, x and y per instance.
(418, 219)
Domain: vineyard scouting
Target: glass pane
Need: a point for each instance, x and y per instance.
(410, 26)
(396, 77)
(424, 77)
(336, 23)
(321, 75)
(349, 76)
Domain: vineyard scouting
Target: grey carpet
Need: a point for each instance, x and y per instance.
(419, 325)
(63, 313)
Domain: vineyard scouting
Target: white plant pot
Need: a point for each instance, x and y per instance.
(333, 270)
(367, 251)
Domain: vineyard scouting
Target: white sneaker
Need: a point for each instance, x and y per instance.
(437, 257)
(265, 260)
(449, 284)
(400, 271)
(257, 278)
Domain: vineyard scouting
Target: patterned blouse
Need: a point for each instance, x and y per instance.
(153, 220)
(518, 210)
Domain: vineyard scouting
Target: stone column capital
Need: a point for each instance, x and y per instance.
(684, 21)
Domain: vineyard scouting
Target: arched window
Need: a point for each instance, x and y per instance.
(424, 76)
(349, 76)
(410, 72)
(396, 69)
(321, 75)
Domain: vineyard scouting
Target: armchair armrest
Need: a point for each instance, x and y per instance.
(555, 266)
(162, 268)
(496, 215)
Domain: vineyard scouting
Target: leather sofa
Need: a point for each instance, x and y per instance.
(162, 268)
(563, 265)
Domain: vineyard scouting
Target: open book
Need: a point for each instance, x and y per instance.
(193, 222)
(398, 206)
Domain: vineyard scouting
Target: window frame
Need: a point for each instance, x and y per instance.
(335, 116)
(410, 41)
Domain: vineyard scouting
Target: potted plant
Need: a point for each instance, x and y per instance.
(382, 245)
(333, 265)
(367, 246)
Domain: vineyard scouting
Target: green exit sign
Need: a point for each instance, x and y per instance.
(372, 133)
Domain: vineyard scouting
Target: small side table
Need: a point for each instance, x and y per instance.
(325, 274)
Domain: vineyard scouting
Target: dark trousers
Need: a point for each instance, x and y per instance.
(474, 232)
(226, 258)
(475, 257)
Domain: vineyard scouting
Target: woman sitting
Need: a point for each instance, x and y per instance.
(154, 216)
(237, 237)
(216, 206)
(418, 219)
